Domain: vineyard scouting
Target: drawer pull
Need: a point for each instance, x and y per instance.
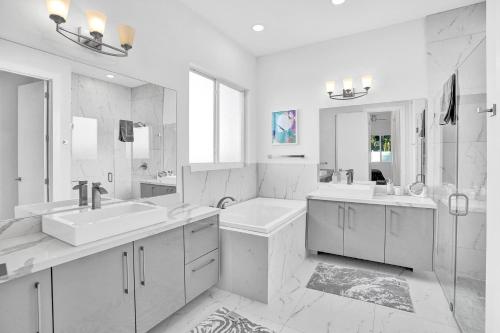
(349, 209)
(125, 272)
(203, 228)
(142, 264)
(391, 222)
(194, 270)
(38, 308)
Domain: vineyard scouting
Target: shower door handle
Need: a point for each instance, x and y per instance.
(456, 212)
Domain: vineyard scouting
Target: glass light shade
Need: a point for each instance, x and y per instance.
(367, 81)
(127, 34)
(347, 84)
(330, 86)
(96, 21)
(337, 2)
(58, 8)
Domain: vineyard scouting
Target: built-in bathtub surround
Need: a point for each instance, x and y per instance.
(208, 187)
(225, 321)
(369, 286)
(262, 244)
(286, 181)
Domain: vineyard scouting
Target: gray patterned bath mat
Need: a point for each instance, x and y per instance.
(225, 321)
(368, 286)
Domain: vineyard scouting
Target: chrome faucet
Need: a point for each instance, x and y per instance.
(223, 202)
(82, 192)
(97, 190)
(350, 176)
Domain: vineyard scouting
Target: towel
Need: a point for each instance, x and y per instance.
(126, 131)
(448, 102)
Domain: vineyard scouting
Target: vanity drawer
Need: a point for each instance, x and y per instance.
(201, 274)
(201, 237)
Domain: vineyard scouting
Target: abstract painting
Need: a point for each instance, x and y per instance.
(284, 127)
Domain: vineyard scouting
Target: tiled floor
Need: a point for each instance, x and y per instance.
(301, 310)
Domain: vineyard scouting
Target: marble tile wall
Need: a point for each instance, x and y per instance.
(286, 181)
(17, 228)
(108, 103)
(207, 187)
(147, 107)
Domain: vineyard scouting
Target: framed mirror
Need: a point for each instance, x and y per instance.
(388, 145)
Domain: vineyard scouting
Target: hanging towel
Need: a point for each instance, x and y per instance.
(126, 131)
(448, 102)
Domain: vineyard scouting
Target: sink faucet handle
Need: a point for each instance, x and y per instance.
(80, 184)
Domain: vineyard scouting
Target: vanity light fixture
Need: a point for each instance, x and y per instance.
(337, 2)
(58, 12)
(348, 91)
(110, 76)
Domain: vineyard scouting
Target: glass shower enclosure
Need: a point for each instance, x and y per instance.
(460, 260)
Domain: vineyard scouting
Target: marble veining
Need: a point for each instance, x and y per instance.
(37, 251)
(383, 289)
(225, 321)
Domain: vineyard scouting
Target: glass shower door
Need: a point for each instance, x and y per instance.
(471, 172)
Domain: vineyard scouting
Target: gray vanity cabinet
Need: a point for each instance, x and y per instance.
(26, 304)
(409, 237)
(325, 227)
(96, 293)
(159, 277)
(364, 232)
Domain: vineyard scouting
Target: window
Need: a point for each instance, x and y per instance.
(216, 121)
(381, 148)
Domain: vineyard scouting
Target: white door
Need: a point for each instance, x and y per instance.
(352, 143)
(493, 181)
(31, 143)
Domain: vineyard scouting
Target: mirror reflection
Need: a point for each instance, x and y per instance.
(388, 145)
(123, 137)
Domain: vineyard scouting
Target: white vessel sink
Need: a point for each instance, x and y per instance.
(354, 190)
(168, 180)
(87, 225)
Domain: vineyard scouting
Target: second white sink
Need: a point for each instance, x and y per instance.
(353, 190)
(84, 226)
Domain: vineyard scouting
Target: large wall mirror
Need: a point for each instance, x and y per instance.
(122, 134)
(387, 145)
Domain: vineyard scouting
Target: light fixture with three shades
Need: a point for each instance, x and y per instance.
(348, 91)
(58, 12)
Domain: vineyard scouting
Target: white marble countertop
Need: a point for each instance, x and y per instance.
(378, 199)
(34, 252)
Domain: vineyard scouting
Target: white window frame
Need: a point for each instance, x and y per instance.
(216, 164)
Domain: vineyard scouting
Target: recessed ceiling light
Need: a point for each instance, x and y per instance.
(258, 28)
(337, 2)
(110, 76)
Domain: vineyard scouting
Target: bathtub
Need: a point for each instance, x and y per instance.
(262, 244)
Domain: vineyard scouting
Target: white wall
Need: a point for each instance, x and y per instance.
(295, 79)
(8, 141)
(170, 38)
(493, 212)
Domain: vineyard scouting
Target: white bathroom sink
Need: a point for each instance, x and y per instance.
(87, 225)
(357, 190)
(168, 180)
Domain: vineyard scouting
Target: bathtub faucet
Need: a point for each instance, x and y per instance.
(224, 202)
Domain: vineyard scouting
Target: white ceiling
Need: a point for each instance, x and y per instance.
(294, 23)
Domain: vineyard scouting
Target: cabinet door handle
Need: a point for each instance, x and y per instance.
(341, 217)
(203, 227)
(142, 264)
(391, 222)
(38, 308)
(194, 270)
(349, 209)
(125, 272)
